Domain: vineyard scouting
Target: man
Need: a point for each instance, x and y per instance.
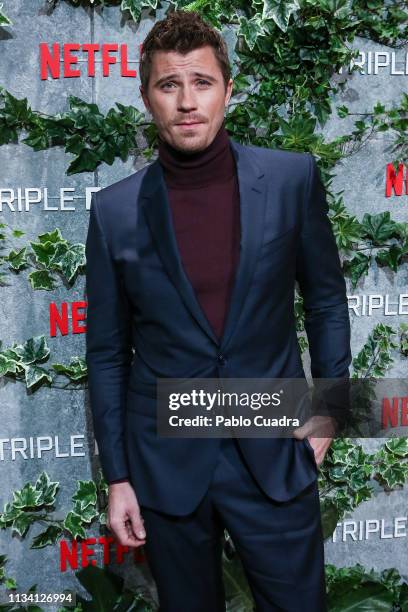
(191, 266)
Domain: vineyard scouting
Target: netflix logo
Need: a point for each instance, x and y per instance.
(74, 554)
(394, 412)
(395, 184)
(67, 318)
(63, 61)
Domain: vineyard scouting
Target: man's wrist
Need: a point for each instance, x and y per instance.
(125, 479)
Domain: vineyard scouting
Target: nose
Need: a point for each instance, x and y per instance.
(186, 99)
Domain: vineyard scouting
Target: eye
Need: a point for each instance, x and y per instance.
(204, 81)
(167, 83)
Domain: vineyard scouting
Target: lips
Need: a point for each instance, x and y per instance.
(190, 123)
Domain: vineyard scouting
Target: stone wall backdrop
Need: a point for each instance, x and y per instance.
(52, 494)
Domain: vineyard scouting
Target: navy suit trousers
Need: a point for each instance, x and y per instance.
(280, 545)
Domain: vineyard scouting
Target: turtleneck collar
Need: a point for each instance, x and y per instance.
(214, 164)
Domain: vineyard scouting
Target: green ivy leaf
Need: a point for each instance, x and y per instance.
(22, 522)
(347, 231)
(391, 257)
(47, 488)
(251, 29)
(398, 446)
(44, 252)
(55, 237)
(342, 111)
(237, 591)
(4, 20)
(330, 517)
(16, 233)
(73, 524)
(68, 259)
(7, 366)
(379, 227)
(85, 494)
(374, 358)
(106, 151)
(10, 512)
(104, 586)
(280, 11)
(134, 7)
(12, 352)
(298, 132)
(27, 497)
(34, 374)
(34, 349)
(101, 483)
(394, 475)
(86, 161)
(368, 596)
(129, 113)
(356, 267)
(41, 279)
(17, 259)
(10, 583)
(75, 370)
(88, 514)
(38, 139)
(49, 536)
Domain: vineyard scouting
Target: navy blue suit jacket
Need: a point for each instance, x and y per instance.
(144, 322)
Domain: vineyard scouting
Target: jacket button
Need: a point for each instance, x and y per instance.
(221, 360)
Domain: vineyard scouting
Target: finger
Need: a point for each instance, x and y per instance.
(120, 531)
(134, 540)
(303, 431)
(137, 524)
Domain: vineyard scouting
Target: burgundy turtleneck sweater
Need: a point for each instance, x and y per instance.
(204, 200)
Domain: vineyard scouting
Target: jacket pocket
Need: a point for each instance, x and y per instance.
(274, 243)
(310, 448)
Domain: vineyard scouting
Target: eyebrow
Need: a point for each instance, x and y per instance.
(175, 76)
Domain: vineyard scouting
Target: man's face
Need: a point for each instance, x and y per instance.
(187, 89)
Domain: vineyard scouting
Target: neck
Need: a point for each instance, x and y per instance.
(214, 164)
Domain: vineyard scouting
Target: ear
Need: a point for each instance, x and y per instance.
(228, 91)
(144, 98)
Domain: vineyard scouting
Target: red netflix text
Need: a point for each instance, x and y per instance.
(67, 318)
(61, 60)
(74, 554)
(394, 412)
(394, 181)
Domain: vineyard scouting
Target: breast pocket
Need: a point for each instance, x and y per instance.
(277, 242)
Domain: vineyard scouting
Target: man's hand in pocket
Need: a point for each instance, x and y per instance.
(320, 431)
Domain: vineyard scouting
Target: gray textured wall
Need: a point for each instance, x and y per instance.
(24, 314)
(361, 176)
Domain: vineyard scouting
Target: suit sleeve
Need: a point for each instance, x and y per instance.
(322, 284)
(108, 348)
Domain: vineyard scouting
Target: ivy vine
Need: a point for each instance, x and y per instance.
(376, 239)
(94, 138)
(25, 362)
(51, 257)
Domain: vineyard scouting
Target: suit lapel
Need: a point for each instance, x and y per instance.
(153, 194)
(158, 213)
(252, 192)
